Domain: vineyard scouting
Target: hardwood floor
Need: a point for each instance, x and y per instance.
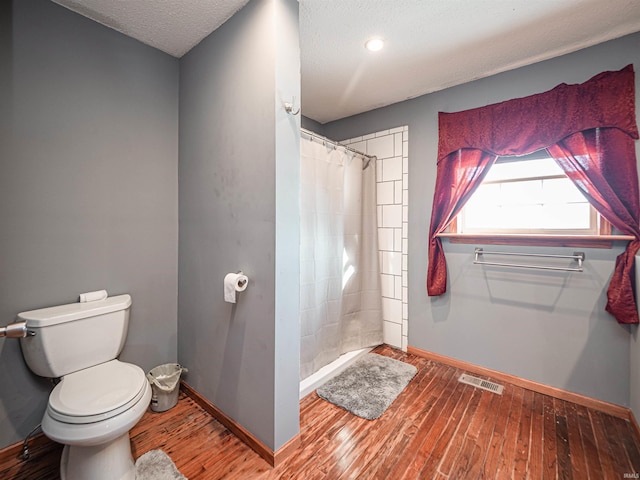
(437, 428)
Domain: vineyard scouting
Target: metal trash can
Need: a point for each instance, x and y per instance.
(164, 380)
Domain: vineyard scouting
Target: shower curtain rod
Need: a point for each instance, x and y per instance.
(325, 140)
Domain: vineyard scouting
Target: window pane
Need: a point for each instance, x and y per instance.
(562, 190)
(520, 217)
(486, 194)
(522, 193)
(572, 216)
(530, 196)
(543, 167)
(480, 217)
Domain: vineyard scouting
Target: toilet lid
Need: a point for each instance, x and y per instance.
(97, 393)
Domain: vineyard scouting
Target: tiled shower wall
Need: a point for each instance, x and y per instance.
(392, 173)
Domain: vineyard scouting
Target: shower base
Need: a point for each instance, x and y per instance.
(327, 372)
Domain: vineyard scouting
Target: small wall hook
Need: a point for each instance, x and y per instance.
(289, 107)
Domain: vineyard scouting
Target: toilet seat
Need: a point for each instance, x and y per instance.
(97, 393)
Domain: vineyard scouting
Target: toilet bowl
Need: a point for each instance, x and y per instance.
(91, 413)
(99, 398)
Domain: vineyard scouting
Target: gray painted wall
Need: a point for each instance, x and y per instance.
(634, 370)
(236, 147)
(88, 200)
(551, 328)
(312, 125)
(287, 215)
(88, 186)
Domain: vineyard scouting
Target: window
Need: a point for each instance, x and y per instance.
(590, 129)
(528, 195)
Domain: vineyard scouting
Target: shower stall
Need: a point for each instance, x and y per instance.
(340, 293)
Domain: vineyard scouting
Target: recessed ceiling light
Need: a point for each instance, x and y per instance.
(374, 44)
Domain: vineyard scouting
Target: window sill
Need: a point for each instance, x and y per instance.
(579, 241)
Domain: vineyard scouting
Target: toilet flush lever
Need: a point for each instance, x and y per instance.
(16, 330)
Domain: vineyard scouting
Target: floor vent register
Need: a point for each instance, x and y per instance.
(481, 383)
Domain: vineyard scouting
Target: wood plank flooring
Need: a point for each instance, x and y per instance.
(438, 428)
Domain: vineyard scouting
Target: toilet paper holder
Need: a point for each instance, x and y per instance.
(241, 282)
(234, 283)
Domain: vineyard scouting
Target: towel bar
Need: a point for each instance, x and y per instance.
(578, 256)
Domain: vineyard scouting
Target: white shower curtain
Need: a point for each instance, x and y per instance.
(340, 295)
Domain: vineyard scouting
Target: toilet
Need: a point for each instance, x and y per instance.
(99, 398)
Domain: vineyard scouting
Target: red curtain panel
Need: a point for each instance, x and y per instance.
(588, 128)
(458, 176)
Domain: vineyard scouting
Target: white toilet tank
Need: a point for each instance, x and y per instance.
(72, 337)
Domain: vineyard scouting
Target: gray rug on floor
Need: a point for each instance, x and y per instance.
(369, 386)
(156, 465)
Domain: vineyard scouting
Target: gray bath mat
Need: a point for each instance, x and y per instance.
(369, 386)
(156, 465)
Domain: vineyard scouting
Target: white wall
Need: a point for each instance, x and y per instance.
(391, 147)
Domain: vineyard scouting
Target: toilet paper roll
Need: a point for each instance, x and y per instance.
(234, 282)
(93, 296)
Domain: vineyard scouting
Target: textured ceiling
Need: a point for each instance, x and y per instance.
(430, 44)
(173, 26)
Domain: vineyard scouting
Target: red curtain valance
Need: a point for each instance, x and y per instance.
(588, 129)
(524, 125)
